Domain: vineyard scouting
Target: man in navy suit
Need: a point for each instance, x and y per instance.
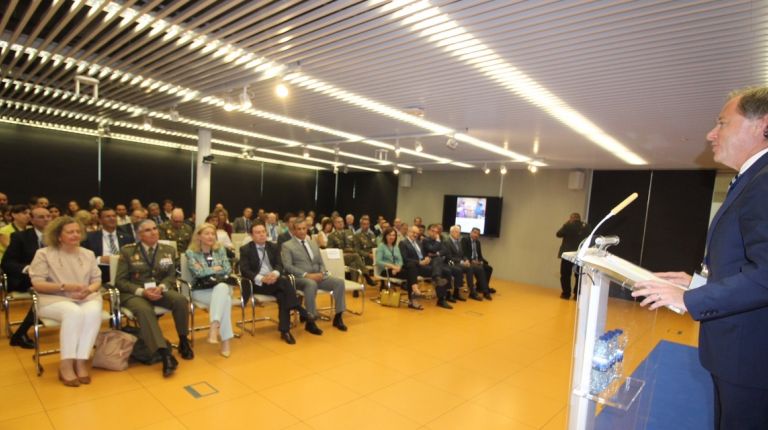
(107, 241)
(732, 303)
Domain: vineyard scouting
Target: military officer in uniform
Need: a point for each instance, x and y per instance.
(146, 277)
(365, 242)
(344, 239)
(177, 230)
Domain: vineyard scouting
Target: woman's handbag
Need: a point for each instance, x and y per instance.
(390, 297)
(113, 349)
(211, 281)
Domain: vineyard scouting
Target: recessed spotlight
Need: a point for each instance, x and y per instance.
(305, 152)
(503, 169)
(532, 168)
(486, 169)
(451, 143)
(281, 90)
(396, 171)
(418, 146)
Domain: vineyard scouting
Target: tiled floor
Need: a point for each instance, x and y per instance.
(491, 365)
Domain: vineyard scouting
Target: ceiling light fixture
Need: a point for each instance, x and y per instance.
(451, 143)
(503, 170)
(418, 146)
(486, 169)
(305, 152)
(245, 100)
(281, 90)
(396, 171)
(147, 122)
(532, 168)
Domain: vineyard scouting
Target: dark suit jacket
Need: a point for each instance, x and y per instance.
(572, 234)
(18, 255)
(250, 264)
(453, 252)
(733, 306)
(127, 231)
(466, 249)
(410, 256)
(94, 242)
(285, 237)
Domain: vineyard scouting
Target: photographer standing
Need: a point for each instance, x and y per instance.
(572, 233)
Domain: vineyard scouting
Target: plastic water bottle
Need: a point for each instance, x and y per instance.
(599, 376)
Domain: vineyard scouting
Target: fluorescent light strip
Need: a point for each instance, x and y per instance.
(189, 94)
(430, 23)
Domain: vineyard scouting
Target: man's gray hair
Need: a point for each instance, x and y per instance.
(753, 103)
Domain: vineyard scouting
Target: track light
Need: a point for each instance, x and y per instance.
(532, 168)
(451, 143)
(346, 169)
(418, 146)
(335, 170)
(396, 171)
(486, 169)
(419, 171)
(147, 122)
(281, 90)
(503, 169)
(305, 152)
(245, 101)
(397, 148)
(174, 114)
(228, 105)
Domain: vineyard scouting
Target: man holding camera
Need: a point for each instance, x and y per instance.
(572, 233)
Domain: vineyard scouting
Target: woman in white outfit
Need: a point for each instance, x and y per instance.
(209, 266)
(67, 280)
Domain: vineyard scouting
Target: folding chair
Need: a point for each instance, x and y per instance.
(261, 300)
(120, 311)
(11, 297)
(334, 263)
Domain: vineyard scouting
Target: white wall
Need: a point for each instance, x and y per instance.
(535, 207)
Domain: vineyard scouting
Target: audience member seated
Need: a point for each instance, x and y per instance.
(288, 233)
(417, 263)
(3, 199)
(365, 242)
(40, 202)
(67, 279)
(311, 229)
(243, 223)
(54, 210)
(460, 262)
(131, 229)
(177, 230)
(402, 232)
(21, 216)
(72, 207)
(155, 213)
(146, 276)
(107, 241)
(221, 235)
(122, 214)
(224, 220)
(167, 209)
(472, 250)
(302, 259)
(349, 223)
(260, 262)
(16, 260)
(273, 231)
(389, 261)
(96, 203)
(326, 227)
(136, 204)
(441, 270)
(209, 266)
(344, 239)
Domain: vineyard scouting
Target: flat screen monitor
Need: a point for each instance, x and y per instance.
(483, 212)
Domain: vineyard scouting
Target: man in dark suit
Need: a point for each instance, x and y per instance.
(572, 233)
(463, 267)
(130, 229)
(442, 274)
(243, 223)
(21, 250)
(472, 250)
(107, 241)
(288, 233)
(146, 276)
(301, 258)
(416, 263)
(260, 263)
(730, 299)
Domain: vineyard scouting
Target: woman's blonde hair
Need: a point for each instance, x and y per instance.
(194, 244)
(53, 230)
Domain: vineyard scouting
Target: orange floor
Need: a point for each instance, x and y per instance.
(490, 365)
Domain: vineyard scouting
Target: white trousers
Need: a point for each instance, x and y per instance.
(80, 323)
(219, 302)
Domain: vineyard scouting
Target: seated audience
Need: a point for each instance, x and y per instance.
(365, 242)
(16, 260)
(472, 250)
(441, 270)
(21, 216)
(221, 235)
(167, 209)
(261, 263)
(107, 241)
(349, 223)
(389, 261)
(54, 210)
(326, 227)
(224, 221)
(273, 230)
(122, 214)
(302, 259)
(146, 277)
(96, 203)
(68, 280)
(462, 264)
(40, 202)
(209, 266)
(177, 230)
(243, 223)
(344, 239)
(72, 207)
(131, 229)
(311, 229)
(288, 233)
(154, 213)
(418, 263)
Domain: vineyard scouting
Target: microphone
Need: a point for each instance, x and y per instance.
(618, 208)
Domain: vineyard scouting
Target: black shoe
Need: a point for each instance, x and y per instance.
(355, 294)
(459, 298)
(475, 296)
(311, 327)
(22, 340)
(450, 299)
(492, 290)
(369, 281)
(168, 365)
(185, 349)
(488, 296)
(339, 323)
(565, 296)
(287, 337)
(174, 361)
(575, 297)
(443, 304)
(302, 318)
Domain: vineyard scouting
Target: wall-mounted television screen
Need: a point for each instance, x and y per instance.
(483, 212)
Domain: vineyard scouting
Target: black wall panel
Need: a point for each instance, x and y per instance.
(368, 193)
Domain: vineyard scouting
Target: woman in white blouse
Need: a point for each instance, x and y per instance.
(67, 280)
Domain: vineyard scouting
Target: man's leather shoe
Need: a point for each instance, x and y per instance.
(174, 361)
(355, 294)
(444, 305)
(287, 337)
(23, 341)
(339, 323)
(311, 327)
(441, 282)
(185, 349)
(168, 365)
(488, 296)
(459, 298)
(492, 290)
(450, 299)
(475, 296)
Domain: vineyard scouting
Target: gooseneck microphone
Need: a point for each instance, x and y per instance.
(618, 208)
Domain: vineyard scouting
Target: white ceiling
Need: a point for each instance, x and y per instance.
(650, 74)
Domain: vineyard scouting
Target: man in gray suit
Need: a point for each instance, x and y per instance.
(301, 258)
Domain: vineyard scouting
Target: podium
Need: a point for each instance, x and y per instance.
(601, 352)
